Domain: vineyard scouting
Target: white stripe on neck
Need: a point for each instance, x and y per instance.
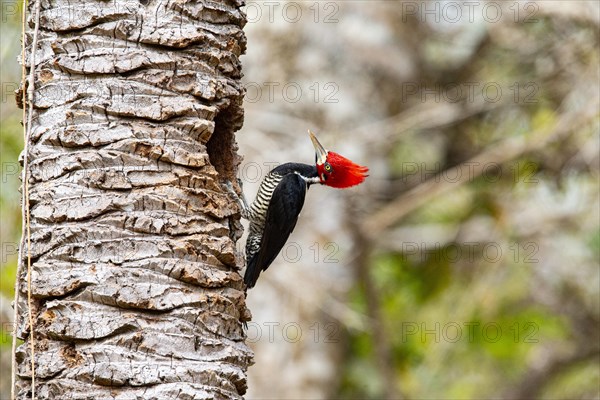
(314, 179)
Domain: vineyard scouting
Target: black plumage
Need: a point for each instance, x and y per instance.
(274, 213)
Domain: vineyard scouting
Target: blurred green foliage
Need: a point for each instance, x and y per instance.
(11, 144)
(468, 327)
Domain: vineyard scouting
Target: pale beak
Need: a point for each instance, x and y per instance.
(319, 149)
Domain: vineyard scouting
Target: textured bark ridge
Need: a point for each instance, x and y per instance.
(135, 277)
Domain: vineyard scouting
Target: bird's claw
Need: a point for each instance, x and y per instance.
(240, 199)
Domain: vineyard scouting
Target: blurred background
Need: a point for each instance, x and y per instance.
(467, 264)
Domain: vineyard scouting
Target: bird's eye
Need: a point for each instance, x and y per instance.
(327, 167)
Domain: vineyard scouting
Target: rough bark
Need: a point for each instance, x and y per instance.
(134, 267)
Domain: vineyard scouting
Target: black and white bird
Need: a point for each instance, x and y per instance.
(274, 212)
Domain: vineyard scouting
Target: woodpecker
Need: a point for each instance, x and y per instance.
(274, 212)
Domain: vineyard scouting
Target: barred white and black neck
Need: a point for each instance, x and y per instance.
(258, 209)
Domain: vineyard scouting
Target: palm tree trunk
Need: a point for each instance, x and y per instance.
(134, 271)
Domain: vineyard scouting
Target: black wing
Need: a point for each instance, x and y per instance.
(282, 215)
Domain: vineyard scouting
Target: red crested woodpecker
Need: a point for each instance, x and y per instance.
(274, 212)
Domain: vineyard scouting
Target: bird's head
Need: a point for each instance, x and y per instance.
(335, 170)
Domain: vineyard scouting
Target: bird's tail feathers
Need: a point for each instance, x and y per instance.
(252, 273)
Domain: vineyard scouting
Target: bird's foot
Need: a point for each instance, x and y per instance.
(245, 210)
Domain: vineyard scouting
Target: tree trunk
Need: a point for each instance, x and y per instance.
(135, 284)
